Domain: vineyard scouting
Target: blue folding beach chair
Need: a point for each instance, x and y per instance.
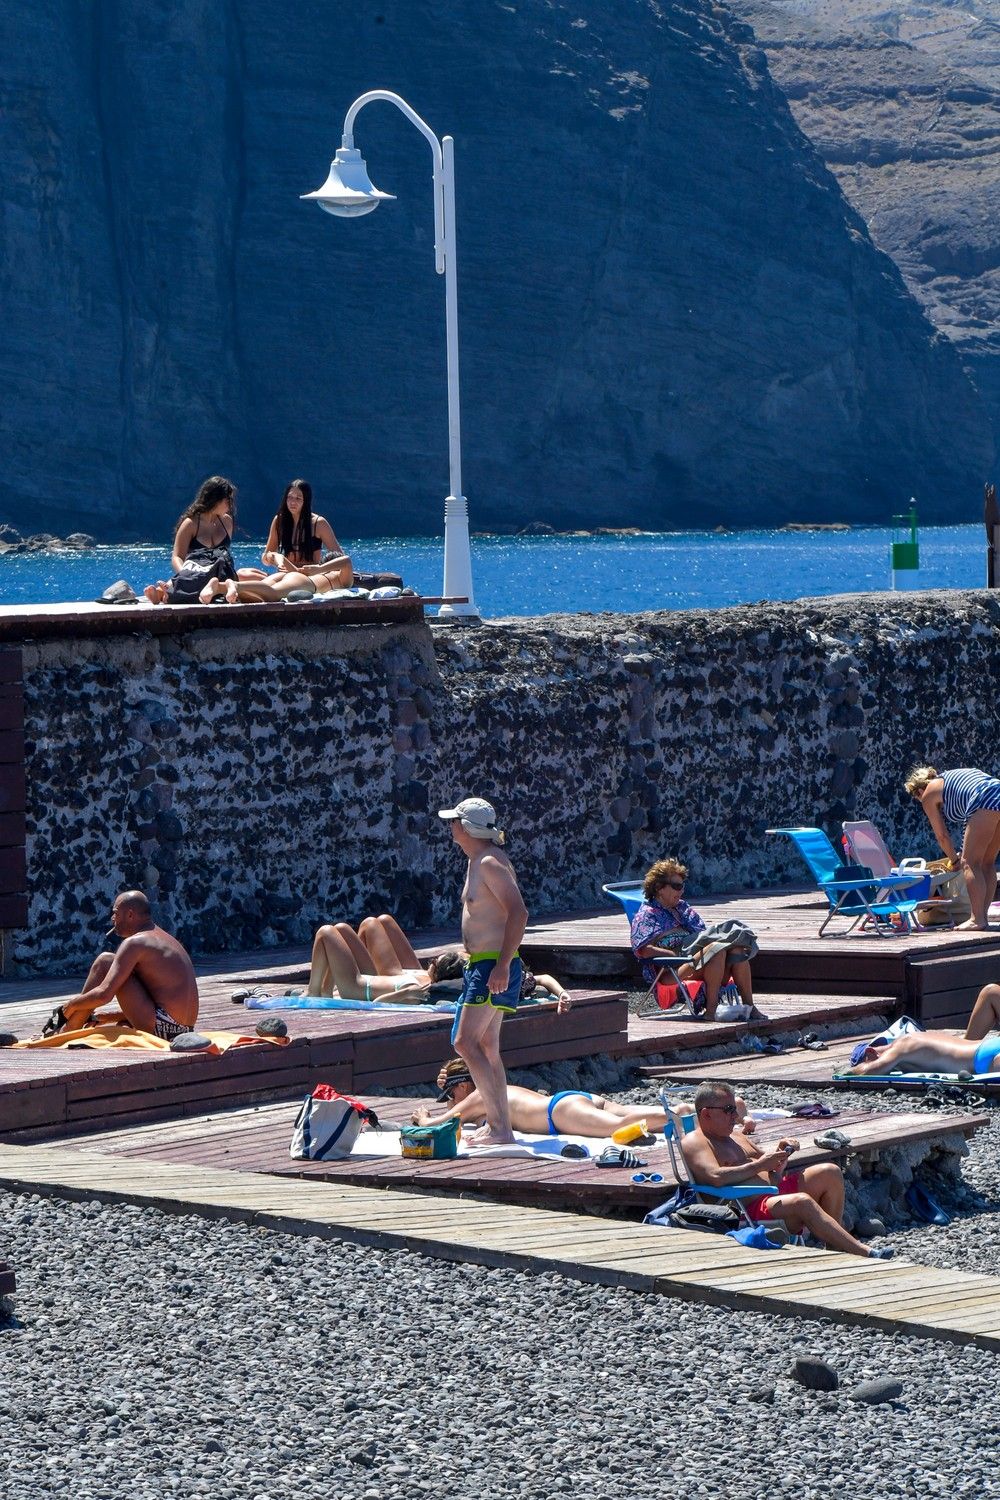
(861, 899)
(630, 897)
(738, 1197)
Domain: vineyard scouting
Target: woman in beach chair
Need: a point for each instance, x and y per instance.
(665, 925)
(970, 798)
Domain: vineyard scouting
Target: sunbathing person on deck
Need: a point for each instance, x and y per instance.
(718, 1155)
(666, 924)
(933, 1052)
(378, 962)
(150, 975)
(570, 1112)
(393, 953)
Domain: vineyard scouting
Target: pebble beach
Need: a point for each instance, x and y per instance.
(164, 1356)
(158, 1356)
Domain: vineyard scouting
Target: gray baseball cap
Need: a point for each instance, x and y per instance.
(476, 815)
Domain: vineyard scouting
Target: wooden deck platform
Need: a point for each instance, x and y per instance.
(256, 1140)
(26, 622)
(933, 975)
(955, 1306)
(799, 1067)
(49, 1091)
(667, 1032)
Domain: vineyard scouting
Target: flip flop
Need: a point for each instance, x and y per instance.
(810, 1040)
(814, 1110)
(620, 1156)
(923, 1207)
(255, 992)
(832, 1140)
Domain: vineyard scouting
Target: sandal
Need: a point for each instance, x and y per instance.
(814, 1110)
(619, 1156)
(255, 992)
(55, 1022)
(810, 1040)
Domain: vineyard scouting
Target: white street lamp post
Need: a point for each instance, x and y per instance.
(348, 192)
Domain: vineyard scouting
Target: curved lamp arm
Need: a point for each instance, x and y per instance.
(425, 130)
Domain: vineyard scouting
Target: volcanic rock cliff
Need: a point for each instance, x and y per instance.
(669, 314)
(903, 102)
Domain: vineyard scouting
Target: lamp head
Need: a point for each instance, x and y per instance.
(348, 191)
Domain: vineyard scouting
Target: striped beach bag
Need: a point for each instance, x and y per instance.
(328, 1124)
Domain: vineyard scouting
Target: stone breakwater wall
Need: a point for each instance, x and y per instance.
(258, 782)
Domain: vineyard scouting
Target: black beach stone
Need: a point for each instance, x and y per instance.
(814, 1373)
(883, 1388)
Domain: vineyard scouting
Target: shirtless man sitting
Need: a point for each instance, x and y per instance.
(493, 922)
(811, 1199)
(150, 975)
(570, 1112)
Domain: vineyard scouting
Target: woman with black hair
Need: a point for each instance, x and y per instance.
(298, 539)
(202, 557)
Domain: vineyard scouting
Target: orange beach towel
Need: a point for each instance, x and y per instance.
(127, 1037)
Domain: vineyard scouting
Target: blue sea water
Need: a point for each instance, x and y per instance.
(543, 575)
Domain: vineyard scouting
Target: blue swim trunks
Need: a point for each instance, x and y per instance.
(987, 1051)
(556, 1098)
(478, 968)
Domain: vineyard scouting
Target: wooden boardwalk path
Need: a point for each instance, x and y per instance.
(256, 1140)
(903, 1299)
(674, 1031)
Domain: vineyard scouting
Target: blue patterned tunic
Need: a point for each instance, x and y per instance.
(654, 924)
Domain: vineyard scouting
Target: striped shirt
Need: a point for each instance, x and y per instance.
(967, 791)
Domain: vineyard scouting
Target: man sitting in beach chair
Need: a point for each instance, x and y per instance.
(810, 1200)
(150, 975)
(570, 1112)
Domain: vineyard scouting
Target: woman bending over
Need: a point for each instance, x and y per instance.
(969, 798)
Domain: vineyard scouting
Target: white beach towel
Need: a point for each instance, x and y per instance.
(386, 1143)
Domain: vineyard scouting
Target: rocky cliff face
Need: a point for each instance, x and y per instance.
(669, 315)
(903, 102)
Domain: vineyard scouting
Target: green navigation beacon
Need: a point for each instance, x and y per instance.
(904, 548)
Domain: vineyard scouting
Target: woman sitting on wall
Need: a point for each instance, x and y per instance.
(298, 540)
(380, 956)
(970, 798)
(666, 925)
(202, 557)
(295, 547)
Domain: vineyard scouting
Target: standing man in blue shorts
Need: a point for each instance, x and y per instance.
(493, 921)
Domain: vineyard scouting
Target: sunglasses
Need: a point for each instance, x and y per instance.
(675, 885)
(647, 1177)
(724, 1109)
